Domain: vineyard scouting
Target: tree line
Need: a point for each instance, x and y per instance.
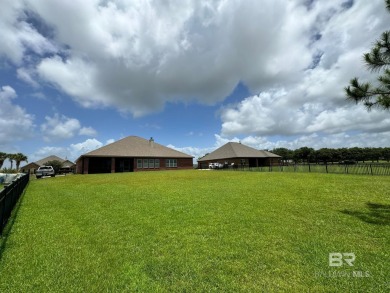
(330, 155)
(17, 158)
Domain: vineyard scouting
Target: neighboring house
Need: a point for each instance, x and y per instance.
(237, 154)
(67, 166)
(132, 154)
(29, 168)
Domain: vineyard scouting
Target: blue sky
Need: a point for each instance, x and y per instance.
(194, 75)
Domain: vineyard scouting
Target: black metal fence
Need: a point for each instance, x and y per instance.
(9, 196)
(362, 169)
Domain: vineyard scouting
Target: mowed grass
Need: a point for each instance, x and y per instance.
(199, 231)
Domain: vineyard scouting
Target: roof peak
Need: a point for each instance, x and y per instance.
(135, 146)
(235, 149)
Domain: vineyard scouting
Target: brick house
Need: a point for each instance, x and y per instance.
(239, 155)
(132, 154)
(67, 166)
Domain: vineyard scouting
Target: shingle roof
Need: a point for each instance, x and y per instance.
(67, 163)
(47, 159)
(134, 146)
(32, 165)
(236, 150)
(43, 161)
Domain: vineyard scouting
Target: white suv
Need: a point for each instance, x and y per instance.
(45, 171)
(215, 166)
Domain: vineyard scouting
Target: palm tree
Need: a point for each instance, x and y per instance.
(11, 158)
(19, 157)
(3, 157)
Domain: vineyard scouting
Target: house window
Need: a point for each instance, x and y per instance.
(171, 163)
(148, 163)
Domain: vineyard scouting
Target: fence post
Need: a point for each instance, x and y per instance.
(309, 168)
(371, 169)
(9, 196)
(2, 208)
(326, 167)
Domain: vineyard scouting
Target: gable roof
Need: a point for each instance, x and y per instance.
(43, 161)
(31, 165)
(47, 159)
(67, 163)
(237, 150)
(134, 146)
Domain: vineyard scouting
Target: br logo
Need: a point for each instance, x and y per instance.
(337, 259)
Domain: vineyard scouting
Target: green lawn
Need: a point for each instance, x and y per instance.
(186, 231)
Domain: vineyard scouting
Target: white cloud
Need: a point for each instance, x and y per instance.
(61, 127)
(18, 35)
(75, 77)
(151, 125)
(316, 141)
(15, 122)
(275, 114)
(46, 151)
(39, 96)
(197, 152)
(316, 103)
(138, 55)
(81, 148)
(71, 152)
(78, 149)
(26, 75)
(88, 131)
(193, 151)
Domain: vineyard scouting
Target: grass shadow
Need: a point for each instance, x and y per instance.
(374, 213)
(10, 223)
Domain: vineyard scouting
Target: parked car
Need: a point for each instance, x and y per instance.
(45, 171)
(215, 166)
(348, 162)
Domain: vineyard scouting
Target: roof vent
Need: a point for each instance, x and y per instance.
(151, 142)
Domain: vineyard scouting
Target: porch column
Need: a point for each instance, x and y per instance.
(86, 166)
(112, 165)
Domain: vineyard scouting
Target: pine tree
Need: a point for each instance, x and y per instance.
(378, 60)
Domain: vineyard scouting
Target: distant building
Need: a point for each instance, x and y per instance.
(67, 166)
(132, 154)
(238, 155)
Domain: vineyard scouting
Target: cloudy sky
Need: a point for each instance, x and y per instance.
(193, 74)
